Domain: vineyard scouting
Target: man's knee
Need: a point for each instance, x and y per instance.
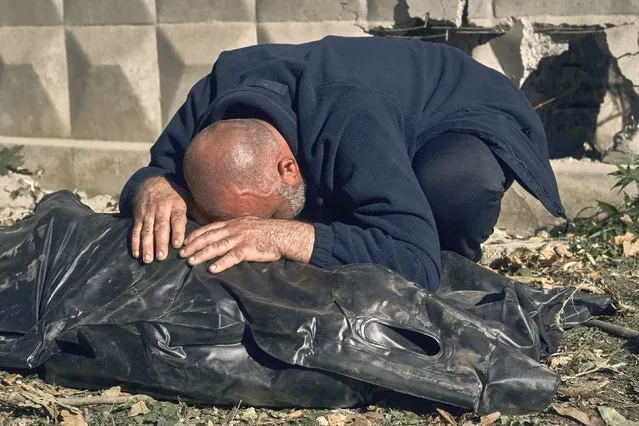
(459, 170)
(464, 183)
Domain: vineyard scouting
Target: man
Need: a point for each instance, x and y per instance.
(404, 147)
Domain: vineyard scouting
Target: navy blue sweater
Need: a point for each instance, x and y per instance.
(354, 112)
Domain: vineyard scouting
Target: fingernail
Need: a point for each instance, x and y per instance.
(182, 252)
(160, 255)
(191, 259)
(136, 254)
(176, 243)
(212, 268)
(147, 258)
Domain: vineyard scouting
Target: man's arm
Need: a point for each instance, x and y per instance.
(167, 154)
(156, 195)
(384, 216)
(251, 239)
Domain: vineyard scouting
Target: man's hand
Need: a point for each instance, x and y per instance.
(251, 239)
(159, 209)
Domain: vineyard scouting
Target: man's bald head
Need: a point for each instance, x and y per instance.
(243, 167)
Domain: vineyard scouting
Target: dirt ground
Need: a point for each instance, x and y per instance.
(600, 372)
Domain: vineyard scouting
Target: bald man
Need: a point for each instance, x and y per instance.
(343, 150)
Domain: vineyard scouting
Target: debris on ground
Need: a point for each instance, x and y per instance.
(600, 372)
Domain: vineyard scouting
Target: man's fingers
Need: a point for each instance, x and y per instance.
(204, 229)
(232, 258)
(162, 233)
(211, 237)
(147, 239)
(178, 227)
(135, 238)
(211, 251)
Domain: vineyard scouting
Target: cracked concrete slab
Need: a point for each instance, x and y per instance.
(403, 12)
(34, 95)
(186, 52)
(581, 184)
(175, 12)
(623, 43)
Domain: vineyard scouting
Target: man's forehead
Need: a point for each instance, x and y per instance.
(239, 204)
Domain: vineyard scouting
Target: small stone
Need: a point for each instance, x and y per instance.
(321, 421)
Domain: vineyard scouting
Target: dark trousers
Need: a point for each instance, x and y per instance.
(464, 183)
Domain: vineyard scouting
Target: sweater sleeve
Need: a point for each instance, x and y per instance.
(385, 217)
(167, 154)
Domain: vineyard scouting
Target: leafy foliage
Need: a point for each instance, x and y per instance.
(610, 221)
(11, 159)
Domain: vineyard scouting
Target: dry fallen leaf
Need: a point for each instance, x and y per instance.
(69, 419)
(337, 419)
(631, 249)
(447, 416)
(28, 387)
(560, 360)
(613, 418)
(63, 391)
(577, 415)
(570, 265)
(592, 260)
(375, 416)
(138, 408)
(587, 389)
(626, 219)
(548, 283)
(489, 419)
(114, 391)
(249, 414)
(11, 379)
(590, 288)
(563, 250)
(619, 240)
(295, 414)
(547, 252)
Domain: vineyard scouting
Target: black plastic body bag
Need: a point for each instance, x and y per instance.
(74, 302)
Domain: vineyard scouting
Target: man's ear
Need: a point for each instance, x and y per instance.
(289, 171)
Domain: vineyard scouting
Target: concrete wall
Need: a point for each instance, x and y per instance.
(87, 85)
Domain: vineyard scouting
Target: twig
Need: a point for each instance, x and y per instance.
(560, 318)
(553, 99)
(40, 398)
(233, 413)
(615, 330)
(594, 370)
(102, 400)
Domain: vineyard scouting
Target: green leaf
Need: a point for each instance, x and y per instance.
(608, 208)
(10, 159)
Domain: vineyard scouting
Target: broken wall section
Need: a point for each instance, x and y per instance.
(577, 61)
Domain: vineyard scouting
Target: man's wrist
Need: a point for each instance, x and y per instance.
(299, 240)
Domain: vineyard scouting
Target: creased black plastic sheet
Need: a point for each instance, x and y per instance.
(74, 302)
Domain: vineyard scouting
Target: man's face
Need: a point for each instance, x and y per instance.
(286, 203)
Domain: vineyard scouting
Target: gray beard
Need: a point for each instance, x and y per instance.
(295, 196)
